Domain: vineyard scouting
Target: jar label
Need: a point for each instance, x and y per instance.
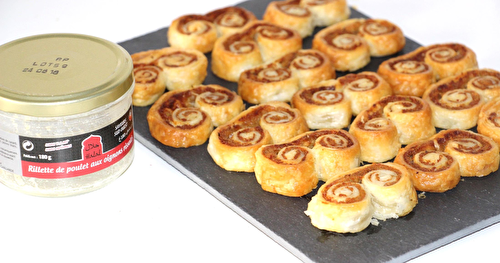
(55, 158)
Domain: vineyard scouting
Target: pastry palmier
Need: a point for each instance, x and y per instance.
(348, 203)
(363, 89)
(304, 15)
(377, 136)
(186, 118)
(411, 115)
(341, 43)
(412, 73)
(279, 80)
(293, 168)
(232, 146)
(192, 32)
(150, 84)
(201, 31)
(260, 42)
(323, 106)
(392, 190)
(290, 14)
(350, 43)
(267, 83)
(488, 122)
(476, 154)
(431, 170)
(449, 59)
(383, 37)
(453, 104)
(183, 68)
(335, 151)
(486, 83)
(230, 20)
(392, 121)
(327, 12)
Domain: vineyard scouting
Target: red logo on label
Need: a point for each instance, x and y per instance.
(92, 147)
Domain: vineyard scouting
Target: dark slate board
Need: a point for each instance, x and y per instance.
(437, 220)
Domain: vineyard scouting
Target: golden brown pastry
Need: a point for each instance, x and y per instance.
(304, 15)
(341, 43)
(232, 146)
(413, 73)
(186, 118)
(335, 151)
(476, 154)
(200, 32)
(393, 121)
(259, 42)
(449, 59)
(229, 20)
(183, 68)
(267, 83)
(286, 169)
(348, 203)
(406, 75)
(377, 136)
(192, 32)
(350, 43)
(279, 80)
(150, 84)
(486, 83)
(453, 104)
(437, 164)
(363, 89)
(290, 14)
(392, 191)
(411, 115)
(327, 12)
(383, 37)
(323, 106)
(293, 168)
(488, 122)
(431, 170)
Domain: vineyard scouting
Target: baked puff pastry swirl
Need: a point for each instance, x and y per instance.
(476, 154)
(331, 103)
(294, 168)
(412, 73)
(201, 31)
(150, 83)
(182, 68)
(323, 106)
(232, 146)
(303, 16)
(363, 89)
(279, 80)
(437, 164)
(347, 204)
(488, 122)
(186, 118)
(260, 42)
(456, 101)
(350, 43)
(393, 121)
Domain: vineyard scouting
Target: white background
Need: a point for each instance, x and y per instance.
(153, 213)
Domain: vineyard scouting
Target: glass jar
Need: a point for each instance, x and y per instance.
(66, 124)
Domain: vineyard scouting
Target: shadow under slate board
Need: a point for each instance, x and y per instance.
(437, 220)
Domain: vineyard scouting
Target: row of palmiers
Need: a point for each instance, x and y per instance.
(201, 31)
(348, 44)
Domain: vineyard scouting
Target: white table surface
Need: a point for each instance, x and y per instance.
(153, 213)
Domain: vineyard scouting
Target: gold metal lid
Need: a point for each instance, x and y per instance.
(62, 74)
